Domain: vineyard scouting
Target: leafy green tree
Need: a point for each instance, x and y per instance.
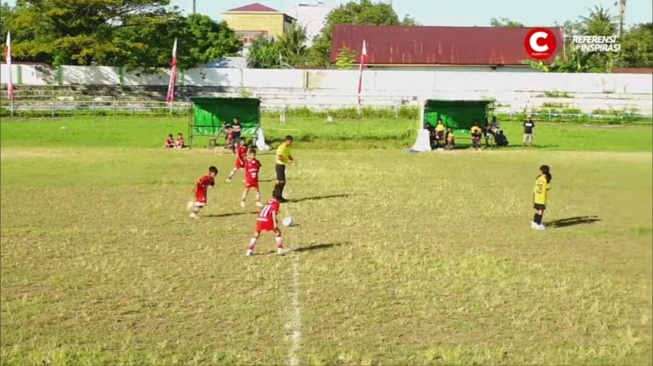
(264, 54)
(363, 12)
(346, 59)
(131, 33)
(504, 22)
(637, 46)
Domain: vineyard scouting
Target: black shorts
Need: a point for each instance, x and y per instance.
(281, 171)
(539, 206)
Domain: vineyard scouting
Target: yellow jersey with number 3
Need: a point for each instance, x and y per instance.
(541, 190)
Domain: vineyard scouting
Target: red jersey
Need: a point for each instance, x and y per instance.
(242, 153)
(202, 185)
(269, 212)
(252, 168)
(170, 142)
(180, 142)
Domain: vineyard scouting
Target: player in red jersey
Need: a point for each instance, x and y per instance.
(241, 156)
(170, 142)
(201, 189)
(252, 167)
(266, 220)
(179, 144)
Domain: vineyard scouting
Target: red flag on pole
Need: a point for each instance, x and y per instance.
(10, 83)
(360, 70)
(173, 75)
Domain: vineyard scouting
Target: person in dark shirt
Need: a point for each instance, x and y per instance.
(529, 129)
(236, 130)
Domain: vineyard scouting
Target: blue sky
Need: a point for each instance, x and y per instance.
(463, 12)
(460, 12)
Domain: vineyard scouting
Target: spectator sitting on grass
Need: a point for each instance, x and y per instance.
(170, 142)
(451, 140)
(179, 144)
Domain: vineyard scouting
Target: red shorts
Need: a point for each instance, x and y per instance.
(239, 164)
(251, 184)
(200, 197)
(264, 226)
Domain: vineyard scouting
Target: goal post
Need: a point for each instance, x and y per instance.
(459, 115)
(208, 114)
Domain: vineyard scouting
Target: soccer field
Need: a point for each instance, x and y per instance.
(400, 258)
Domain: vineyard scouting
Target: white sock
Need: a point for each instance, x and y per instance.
(279, 244)
(252, 243)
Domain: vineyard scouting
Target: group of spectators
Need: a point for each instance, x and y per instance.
(442, 137)
(233, 133)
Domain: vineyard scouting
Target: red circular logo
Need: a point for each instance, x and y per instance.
(540, 43)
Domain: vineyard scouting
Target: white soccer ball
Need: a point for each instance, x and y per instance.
(288, 221)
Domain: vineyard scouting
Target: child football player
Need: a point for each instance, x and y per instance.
(241, 156)
(540, 196)
(170, 142)
(201, 189)
(252, 167)
(266, 220)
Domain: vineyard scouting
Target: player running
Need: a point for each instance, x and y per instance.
(241, 156)
(266, 220)
(201, 189)
(252, 167)
(540, 196)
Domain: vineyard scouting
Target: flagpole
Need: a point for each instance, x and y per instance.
(363, 60)
(10, 82)
(170, 98)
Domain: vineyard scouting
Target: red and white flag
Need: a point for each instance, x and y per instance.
(173, 75)
(360, 70)
(10, 82)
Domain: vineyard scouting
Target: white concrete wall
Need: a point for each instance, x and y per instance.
(517, 89)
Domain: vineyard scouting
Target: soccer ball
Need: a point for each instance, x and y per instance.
(288, 221)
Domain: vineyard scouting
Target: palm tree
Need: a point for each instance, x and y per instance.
(599, 22)
(293, 45)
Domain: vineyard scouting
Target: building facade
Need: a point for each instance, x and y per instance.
(311, 16)
(257, 19)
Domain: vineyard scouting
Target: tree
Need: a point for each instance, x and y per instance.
(346, 59)
(292, 46)
(363, 12)
(131, 33)
(264, 54)
(504, 22)
(637, 47)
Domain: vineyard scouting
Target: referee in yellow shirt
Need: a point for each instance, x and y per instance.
(283, 157)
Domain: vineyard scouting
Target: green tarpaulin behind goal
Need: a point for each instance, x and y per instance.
(208, 114)
(457, 114)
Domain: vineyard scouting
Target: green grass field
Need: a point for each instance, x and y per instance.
(401, 258)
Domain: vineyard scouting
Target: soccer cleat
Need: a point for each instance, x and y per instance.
(228, 180)
(259, 204)
(193, 215)
(242, 203)
(539, 227)
(249, 253)
(533, 224)
(282, 251)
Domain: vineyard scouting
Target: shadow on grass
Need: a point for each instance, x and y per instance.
(315, 198)
(320, 246)
(232, 214)
(310, 248)
(573, 221)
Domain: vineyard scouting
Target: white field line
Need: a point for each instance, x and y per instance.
(295, 317)
(295, 322)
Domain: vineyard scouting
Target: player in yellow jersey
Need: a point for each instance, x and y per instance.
(540, 196)
(283, 157)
